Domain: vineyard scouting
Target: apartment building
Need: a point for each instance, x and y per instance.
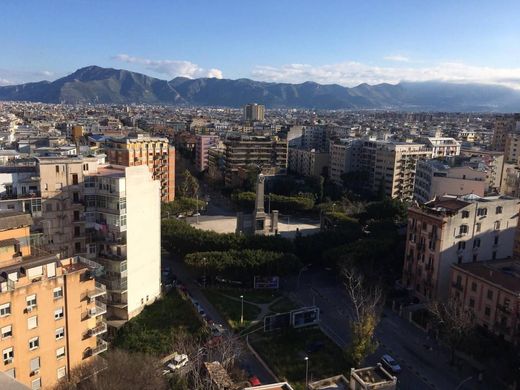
(243, 151)
(308, 162)
(490, 161)
(343, 153)
(202, 146)
(153, 152)
(455, 230)
(436, 178)
(512, 148)
(501, 128)
(443, 146)
(491, 290)
(390, 166)
(254, 112)
(122, 214)
(50, 317)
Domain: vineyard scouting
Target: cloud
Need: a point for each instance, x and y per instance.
(397, 58)
(353, 73)
(172, 68)
(13, 77)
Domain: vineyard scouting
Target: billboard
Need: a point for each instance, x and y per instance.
(277, 321)
(306, 316)
(266, 282)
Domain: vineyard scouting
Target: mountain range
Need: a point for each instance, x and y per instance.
(94, 84)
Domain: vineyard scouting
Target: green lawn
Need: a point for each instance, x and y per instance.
(285, 351)
(231, 309)
(153, 330)
(283, 305)
(255, 296)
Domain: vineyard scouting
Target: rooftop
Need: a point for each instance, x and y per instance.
(14, 219)
(338, 382)
(501, 273)
(375, 375)
(272, 386)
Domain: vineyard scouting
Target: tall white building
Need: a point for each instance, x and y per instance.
(123, 214)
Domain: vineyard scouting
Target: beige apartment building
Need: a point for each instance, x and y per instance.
(512, 148)
(50, 317)
(154, 152)
(308, 162)
(455, 230)
(491, 290)
(501, 128)
(243, 151)
(391, 166)
(254, 112)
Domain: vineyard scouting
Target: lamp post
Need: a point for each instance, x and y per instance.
(197, 208)
(204, 262)
(241, 309)
(306, 371)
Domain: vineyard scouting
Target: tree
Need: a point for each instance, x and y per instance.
(454, 322)
(190, 185)
(365, 309)
(120, 370)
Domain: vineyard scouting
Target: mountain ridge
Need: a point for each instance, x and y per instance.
(94, 84)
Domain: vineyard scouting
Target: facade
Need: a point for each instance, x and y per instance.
(267, 153)
(490, 161)
(390, 166)
(491, 290)
(342, 154)
(123, 220)
(501, 128)
(50, 317)
(512, 148)
(436, 178)
(254, 112)
(153, 152)
(443, 146)
(455, 230)
(308, 162)
(202, 146)
(372, 378)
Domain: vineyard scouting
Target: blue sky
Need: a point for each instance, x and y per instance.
(328, 41)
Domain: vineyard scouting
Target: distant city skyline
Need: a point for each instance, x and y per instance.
(343, 42)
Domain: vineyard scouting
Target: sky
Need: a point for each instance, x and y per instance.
(328, 41)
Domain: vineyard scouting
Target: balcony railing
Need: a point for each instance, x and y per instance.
(101, 347)
(99, 290)
(98, 310)
(98, 329)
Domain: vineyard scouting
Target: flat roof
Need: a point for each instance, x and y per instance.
(14, 219)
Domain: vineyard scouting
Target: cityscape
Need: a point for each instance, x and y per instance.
(264, 220)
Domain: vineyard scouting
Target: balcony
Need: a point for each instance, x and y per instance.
(98, 329)
(504, 308)
(98, 310)
(101, 347)
(99, 290)
(457, 286)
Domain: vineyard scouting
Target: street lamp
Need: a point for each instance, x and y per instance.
(204, 262)
(241, 309)
(306, 371)
(304, 268)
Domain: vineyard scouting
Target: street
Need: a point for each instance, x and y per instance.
(422, 368)
(186, 278)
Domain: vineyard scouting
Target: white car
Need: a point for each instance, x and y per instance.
(178, 361)
(389, 363)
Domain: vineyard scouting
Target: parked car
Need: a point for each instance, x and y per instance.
(217, 330)
(254, 381)
(390, 364)
(178, 361)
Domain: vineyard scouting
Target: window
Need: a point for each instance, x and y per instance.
(476, 243)
(8, 355)
(35, 364)
(77, 247)
(34, 343)
(475, 257)
(57, 293)
(61, 372)
(489, 294)
(459, 259)
(478, 226)
(57, 167)
(60, 333)
(60, 353)
(31, 301)
(32, 322)
(471, 303)
(463, 229)
(473, 286)
(482, 212)
(58, 313)
(494, 255)
(497, 225)
(487, 311)
(462, 245)
(36, 384)
(7, 331)
(465, 214)
(5, 309)
(48, 207)
(498, 210)
(495, 242)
